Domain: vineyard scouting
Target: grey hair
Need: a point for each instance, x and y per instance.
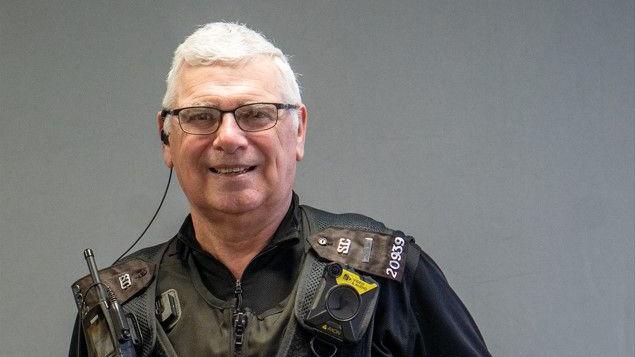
(228, 44)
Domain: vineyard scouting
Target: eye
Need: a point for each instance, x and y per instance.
(201, 117)
(258, 112)
(261, 114)
(198, 116)
(257, 116)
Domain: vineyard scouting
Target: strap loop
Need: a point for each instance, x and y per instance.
(321, 348)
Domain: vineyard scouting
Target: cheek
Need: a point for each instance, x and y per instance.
(277, 161)
(285, 151)
(287, 158)
(186, 157)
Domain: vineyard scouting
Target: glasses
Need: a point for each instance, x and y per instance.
(249, 117)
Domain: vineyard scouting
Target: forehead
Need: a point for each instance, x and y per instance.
(258, 79)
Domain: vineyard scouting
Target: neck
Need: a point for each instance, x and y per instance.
(236, 239)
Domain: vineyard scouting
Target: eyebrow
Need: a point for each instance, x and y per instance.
(204, 104)
(216, 105)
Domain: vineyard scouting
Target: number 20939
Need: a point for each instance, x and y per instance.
(395, 257)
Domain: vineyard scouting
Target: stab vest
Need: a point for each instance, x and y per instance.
(296, 335)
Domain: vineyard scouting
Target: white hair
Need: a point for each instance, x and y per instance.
(228, 44)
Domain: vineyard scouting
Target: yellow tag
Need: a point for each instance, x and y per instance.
(352, 279)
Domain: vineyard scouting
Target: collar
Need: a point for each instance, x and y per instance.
(288, 232)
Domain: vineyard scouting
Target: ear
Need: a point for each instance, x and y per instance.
(301, 132)
(165, 146)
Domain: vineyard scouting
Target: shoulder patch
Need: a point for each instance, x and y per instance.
(124, 280)
(378, 254)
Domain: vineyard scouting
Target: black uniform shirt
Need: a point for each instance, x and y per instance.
(419, 316)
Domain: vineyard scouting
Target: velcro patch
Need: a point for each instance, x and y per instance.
(124, 280)
(382, 255)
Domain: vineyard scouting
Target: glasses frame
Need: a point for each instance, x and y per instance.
(175, 112)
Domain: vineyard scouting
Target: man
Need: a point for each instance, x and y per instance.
(251, 272)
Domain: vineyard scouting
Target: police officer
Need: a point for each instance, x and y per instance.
(252, 272)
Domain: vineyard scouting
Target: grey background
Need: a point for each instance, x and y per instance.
(499, 133)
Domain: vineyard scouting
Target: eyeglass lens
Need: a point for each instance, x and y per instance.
(250, 117)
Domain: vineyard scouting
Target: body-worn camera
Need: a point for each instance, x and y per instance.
(344, 304)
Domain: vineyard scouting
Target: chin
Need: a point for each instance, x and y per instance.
(237, 203)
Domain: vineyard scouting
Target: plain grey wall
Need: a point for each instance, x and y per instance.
(499, 133)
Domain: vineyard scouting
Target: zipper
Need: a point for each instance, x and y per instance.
(239, 320)
(239, 315)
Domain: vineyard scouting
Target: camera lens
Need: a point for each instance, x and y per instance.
(342, 302)
(335, 270)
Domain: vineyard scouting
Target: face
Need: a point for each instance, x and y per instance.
(232, 171)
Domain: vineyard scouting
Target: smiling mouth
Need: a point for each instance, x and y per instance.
(232, 170)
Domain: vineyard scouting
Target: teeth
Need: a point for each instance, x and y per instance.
(234, 170)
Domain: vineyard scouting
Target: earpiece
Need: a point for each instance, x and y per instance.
(164, 138)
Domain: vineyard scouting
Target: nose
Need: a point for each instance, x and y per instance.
(229, 137)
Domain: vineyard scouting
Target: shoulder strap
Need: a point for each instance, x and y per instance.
(318, 220)
(142, 305)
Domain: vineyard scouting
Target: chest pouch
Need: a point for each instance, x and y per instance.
(343, 305)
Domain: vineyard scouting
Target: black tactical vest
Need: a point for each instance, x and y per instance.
(204, 326)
